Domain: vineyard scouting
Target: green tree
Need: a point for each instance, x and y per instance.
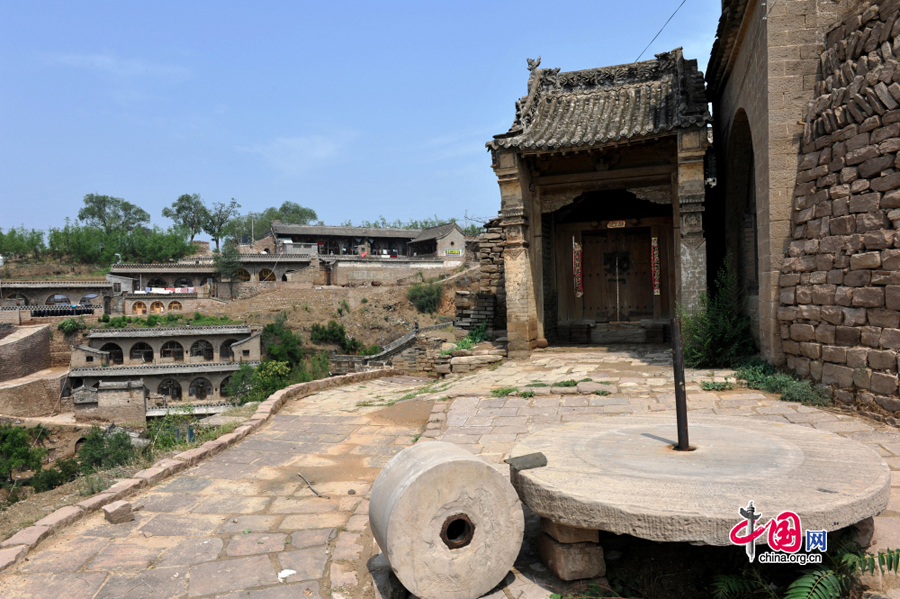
(258, 225)
(109, 213)
(17, 453)
(218, 219)
(189, 212)
(227, 262)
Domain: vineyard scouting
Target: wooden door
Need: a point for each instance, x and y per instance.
(618, 284)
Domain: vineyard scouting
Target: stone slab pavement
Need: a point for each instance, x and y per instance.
(228, 527)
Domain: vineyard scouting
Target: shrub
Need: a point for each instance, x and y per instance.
(104, 318)
(64, 471)
(101, 451)
(717, 334)
(152, 320)
(503, 391)
(70, 326)
(763, 376)
(334, 333)
(426, 297)
(281, 344)
(17, 453)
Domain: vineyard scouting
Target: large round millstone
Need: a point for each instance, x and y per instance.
(621, 474)
(450, 524)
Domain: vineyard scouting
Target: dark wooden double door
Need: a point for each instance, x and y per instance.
(618, 276)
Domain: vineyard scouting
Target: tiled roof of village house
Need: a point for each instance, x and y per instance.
(160, 369)
(438, 232)
(726, 37)
(329, 230)
(597, 106)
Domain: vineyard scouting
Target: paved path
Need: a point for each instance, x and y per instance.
(229, 526)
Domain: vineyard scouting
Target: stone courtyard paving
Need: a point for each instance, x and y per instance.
(229, 526)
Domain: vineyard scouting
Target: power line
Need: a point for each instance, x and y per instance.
(661, 30)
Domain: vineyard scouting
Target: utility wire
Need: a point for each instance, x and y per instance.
(661, 30)
(770, 10)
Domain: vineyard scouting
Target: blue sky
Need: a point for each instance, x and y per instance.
(353, 109)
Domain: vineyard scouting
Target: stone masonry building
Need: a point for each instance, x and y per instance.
(602, 187)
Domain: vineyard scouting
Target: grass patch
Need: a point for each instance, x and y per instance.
(601, 392)
(537, 384)
(503, 391)
(567, 383)
(716, 385)
(526, 394)
(763, 376)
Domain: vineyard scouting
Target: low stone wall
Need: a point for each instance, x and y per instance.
(840, 282)
(24, 352)
(389, 271)
(420, 356)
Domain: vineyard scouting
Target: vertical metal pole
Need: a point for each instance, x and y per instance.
(680, 395)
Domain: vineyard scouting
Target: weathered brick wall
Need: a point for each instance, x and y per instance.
(24, 352)
(840, 282)
(122, 402)
(40, 397)
(488, 304)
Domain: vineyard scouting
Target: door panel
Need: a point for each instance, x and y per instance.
(618, 284)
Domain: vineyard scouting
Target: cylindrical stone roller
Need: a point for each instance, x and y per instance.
(450, 525)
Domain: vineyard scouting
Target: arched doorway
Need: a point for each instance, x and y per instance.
(202, 349)
(242, 275)
(116, 356)
(157, 282)
(223, 387)
(225, 353)
(141, 352)
(157, 308)
(200, 388)
(20, 299)
(172, 350)
(58, 300)
(174, 306)
(184, 282)
(139, 308)
(266, 275)
(171, 389)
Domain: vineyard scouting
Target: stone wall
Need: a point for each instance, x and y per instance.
(35, 397)
(421, 356)
(840, 283)
(24, 352)
(488, 304)
(122, 402)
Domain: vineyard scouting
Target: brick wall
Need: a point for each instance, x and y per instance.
(34, 398)
(24, 352)
(488, 304)
(840, 282)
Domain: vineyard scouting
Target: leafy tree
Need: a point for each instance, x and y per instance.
(22, 242)
(281, 344)
(218, 219)
(101, 451)
(425, 296)
(109, 213)
(189, 212)
(227, 262)
(17, 453)
(290, 213)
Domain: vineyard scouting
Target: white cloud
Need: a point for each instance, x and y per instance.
(121, 67)
(293, 155)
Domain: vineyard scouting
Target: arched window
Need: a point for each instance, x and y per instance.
(157, 308)
(89, 299)
(202, 349)
(170, 388)
(223, 387)
(225, 353)
(20, 299)
(58, 300)
(139, 308)
(116, 356)
(200, 389)
(157, 282)
(141, 352)
(266, 275)
(208, 281)
(242, 275)
(184, 282)
(172, 350)
(174, 306)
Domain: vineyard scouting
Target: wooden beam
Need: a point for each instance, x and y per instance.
(612, 175)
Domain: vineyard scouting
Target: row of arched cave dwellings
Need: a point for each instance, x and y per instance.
(58, 299)
(170, 389)
(171, 351)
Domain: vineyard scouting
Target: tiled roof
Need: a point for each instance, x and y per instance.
(597, 106)
(438, 232)
(331, 231)
(730, 20)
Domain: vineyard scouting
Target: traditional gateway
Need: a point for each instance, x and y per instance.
(602, 187)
